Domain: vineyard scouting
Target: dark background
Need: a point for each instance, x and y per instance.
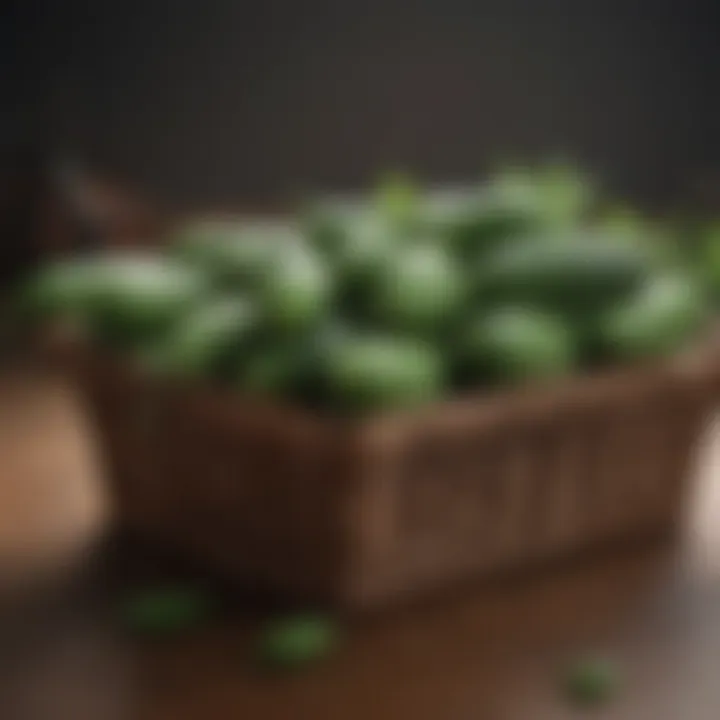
(223, 101)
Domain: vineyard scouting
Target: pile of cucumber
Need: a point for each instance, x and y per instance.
(399, 297)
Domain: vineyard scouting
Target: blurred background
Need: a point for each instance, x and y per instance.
(222, 102)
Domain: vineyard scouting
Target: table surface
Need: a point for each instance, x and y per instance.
(488, 651)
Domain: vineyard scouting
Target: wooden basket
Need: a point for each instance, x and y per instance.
(358, 514)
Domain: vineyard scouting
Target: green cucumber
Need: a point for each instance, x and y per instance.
(293, 642)
(590, 272)
(592, 682)
(664, 315)
(326, 220)
(296, 290)
(144, 294)
(418, 289)
(289, 367)
(514, 344)
(166, 611)
(235, 252)
(375, 373)
(69, 287)
(200, 343)
(472, 222)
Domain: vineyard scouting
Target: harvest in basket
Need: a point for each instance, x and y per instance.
(298, 372)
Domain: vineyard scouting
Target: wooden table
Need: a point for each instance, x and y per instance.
(491, 651)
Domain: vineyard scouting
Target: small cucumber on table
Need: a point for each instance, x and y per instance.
(295, 642)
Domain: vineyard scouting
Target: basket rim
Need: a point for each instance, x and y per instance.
(487, 406)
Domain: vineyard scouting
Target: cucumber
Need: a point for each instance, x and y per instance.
(659, 319)
(143, 294)
(472, 221)
(559, 195)
(335, 222)
(294, 642)
(166, 611)
(205, 339)
(364, 248)
(592, 682)
(119, 297)
(662, 239)
(420, 288)
(326, 221)
(295, 292)
(233, 252)
(376, 373)
(515, 203)
(515, 344)
(592, 271)
(65, 288)
(709, 259)
(271, 371)
(290, 367)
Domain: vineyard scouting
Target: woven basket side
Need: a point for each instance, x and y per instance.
(250, 494)
(458, 499)
(261, 502)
